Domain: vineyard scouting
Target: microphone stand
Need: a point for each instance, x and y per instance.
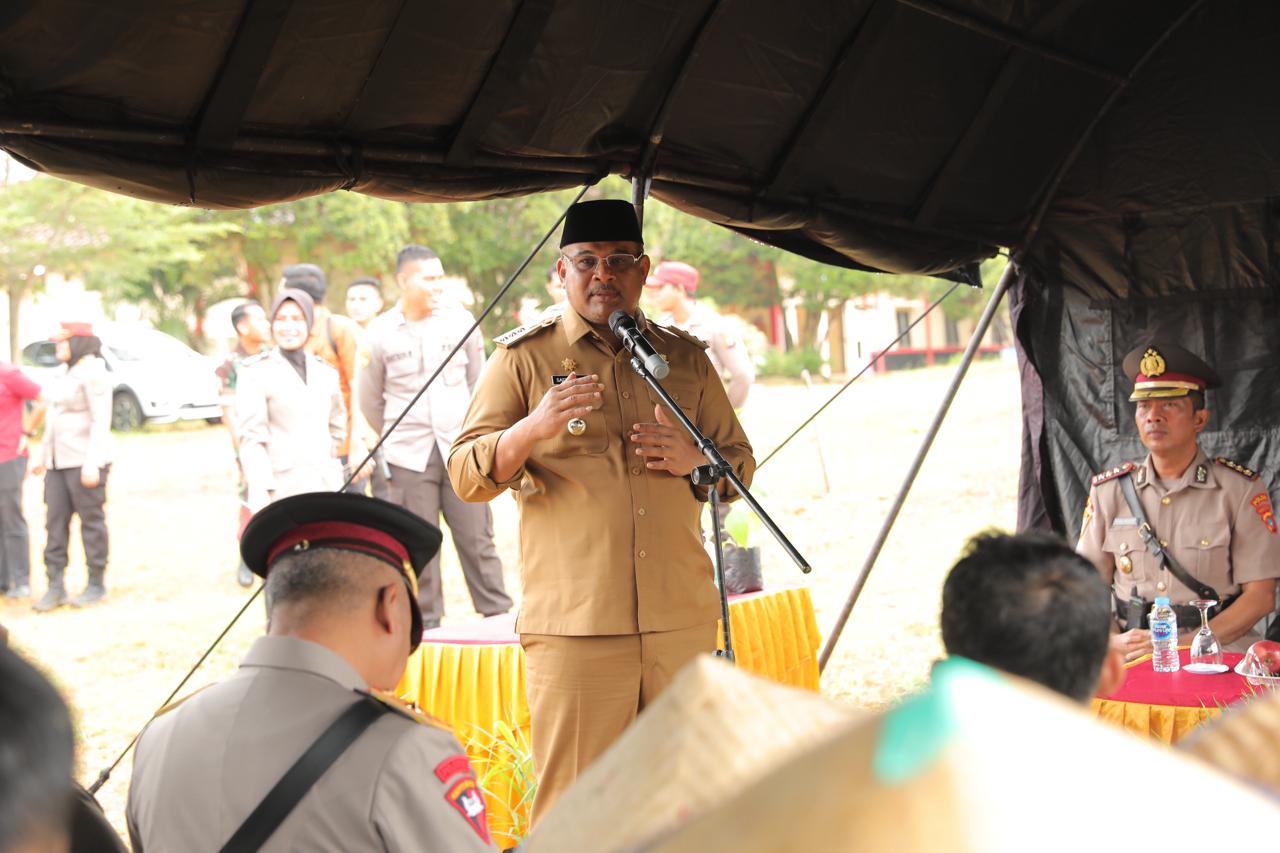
(717, 469)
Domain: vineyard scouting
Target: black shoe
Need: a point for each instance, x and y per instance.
(93, 593)
(19, 591)
(244, 577)
(54, 597)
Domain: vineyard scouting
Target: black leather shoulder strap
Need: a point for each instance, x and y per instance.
(1153, 543)
(294, 784)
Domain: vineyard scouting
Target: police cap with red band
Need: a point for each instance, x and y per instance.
(1162, 369)
(345, 522)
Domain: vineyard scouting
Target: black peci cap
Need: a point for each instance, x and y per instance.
(345, 522)
(601, 221)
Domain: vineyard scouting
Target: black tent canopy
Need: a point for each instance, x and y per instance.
(1127, 153)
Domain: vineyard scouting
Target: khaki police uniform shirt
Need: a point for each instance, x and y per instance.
(725, 348)
(78, 420)
(201, 768)
(289, 431)
(399, 357)
(607, 546)
(1217, 523)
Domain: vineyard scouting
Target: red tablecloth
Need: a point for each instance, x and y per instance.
(1168, 706)
(1182, 689)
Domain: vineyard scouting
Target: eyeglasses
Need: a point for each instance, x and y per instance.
(619, 262)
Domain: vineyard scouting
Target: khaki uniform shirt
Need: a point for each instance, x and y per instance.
(606, 545)
(289, 431)
(726, 350)
(78, 420)
(1217, 523)
(201, 768)
(399, 357)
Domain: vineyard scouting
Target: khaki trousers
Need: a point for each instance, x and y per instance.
(583, 691)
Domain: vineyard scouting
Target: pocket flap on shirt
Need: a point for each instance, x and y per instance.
(1123, 540)
(1204, 538)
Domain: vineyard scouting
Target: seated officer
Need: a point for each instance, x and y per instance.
(1210, 531)
(343, 617)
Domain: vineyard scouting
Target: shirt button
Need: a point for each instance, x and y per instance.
(1204, 543)
(643, 555)
(640, 511)
(626, 395)
(1166, 500)
(635, 471)
(1164, 543)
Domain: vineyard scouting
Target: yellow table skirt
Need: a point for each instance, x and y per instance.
(1167, 723)
(479, 690)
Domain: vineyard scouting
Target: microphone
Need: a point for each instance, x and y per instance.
(625, 328)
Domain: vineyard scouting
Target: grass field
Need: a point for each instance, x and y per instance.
(172, 516)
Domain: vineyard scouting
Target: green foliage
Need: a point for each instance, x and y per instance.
(790, 364)
(503, 760)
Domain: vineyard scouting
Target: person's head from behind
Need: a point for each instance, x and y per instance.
(36, 751)
(250, 323)
(420, 275)
(308, 278)
(341, 571)
(364, 299)
(1031, 606)
(75, 341)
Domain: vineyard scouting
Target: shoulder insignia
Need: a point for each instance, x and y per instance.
(688, 336)
(175, 703)
(1112, 473)
(1237, 467)
(506, 339)
(1261, 503)
(404, 709)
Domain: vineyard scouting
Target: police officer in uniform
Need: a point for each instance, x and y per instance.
(75, 463)
(1211, 518)
(672, 287)
(340, 574)
(404, 347)
(618, 590)
(290, 419)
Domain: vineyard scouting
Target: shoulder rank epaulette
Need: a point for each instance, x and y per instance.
(404, 709)
(1112, 473)
(176, 702)
(1237, 467)
(691, 338)
(256, 358)
(506, 339)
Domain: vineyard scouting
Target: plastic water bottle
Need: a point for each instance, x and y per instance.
(1164, 636)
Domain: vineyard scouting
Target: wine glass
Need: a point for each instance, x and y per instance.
(1206, 651)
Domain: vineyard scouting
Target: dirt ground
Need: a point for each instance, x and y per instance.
(172, 516)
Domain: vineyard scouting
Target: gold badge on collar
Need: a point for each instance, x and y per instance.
(577, 426)
(1202, 474)
(569, 365)
(1152, 363)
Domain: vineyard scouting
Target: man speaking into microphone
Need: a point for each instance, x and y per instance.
(618, 589)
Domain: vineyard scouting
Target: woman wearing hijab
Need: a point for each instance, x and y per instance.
(289, 411)
(75, 462)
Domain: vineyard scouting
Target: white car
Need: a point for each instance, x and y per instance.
(157, 378)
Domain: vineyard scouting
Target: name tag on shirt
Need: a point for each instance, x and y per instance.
(1124, 522)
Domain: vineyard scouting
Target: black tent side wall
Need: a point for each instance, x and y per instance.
(1208, 279)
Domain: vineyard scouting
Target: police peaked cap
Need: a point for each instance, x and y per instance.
(345, 522)
(1161, 369)
(601, 221)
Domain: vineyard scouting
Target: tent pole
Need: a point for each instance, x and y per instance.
(640, 184)
(971, 350)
